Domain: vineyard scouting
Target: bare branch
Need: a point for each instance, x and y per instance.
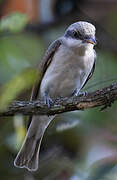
(103, 97)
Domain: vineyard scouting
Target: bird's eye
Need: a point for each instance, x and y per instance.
(77, 34)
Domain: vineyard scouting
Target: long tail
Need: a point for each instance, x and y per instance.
(28, 155)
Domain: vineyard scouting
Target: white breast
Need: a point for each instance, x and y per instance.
(67, 71)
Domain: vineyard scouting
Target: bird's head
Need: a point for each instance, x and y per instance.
(80, 34)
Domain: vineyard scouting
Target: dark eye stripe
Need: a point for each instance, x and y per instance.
(68, 34)
(74, 34)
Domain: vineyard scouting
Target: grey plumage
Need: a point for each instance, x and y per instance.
(67, 65)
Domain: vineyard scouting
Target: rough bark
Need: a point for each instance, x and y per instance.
(103, 98)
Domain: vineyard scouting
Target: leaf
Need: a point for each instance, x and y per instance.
(16, 138)
(14, 22)
(67, 124)
(16, 54)
(13, 88)
(102, 171)
(20, 130)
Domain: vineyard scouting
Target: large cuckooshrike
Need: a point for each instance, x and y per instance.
(66, 67)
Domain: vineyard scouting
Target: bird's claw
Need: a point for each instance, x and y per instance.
(75, 93)
(47, 100)
(84, 93)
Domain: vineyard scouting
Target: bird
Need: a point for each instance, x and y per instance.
(67, 65)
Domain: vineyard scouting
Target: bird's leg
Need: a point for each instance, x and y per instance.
(84, 93)
(77, 93)
(47, 100)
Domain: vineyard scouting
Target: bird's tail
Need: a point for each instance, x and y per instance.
(28, 155)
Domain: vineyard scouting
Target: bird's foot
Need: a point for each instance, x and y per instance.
(47, 100)
(76, 93)
(83, 93)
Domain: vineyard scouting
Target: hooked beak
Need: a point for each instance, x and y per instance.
(90, 40)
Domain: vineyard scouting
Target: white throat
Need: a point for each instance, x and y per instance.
(85, 49)
(78, 46)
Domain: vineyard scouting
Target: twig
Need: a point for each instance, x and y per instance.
(103, 97)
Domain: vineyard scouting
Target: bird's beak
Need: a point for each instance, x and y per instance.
(90, 40)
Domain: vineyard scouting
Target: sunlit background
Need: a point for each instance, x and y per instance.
(78, 145)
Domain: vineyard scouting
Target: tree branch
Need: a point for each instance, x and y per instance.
(103, 97)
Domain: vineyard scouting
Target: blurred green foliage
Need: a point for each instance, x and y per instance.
(12, 89)
(14, 22)
(18, 52)
(77, 145)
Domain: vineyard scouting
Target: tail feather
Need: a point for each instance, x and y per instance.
(28, 155)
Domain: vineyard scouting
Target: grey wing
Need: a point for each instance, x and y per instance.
(92, 70)
(44, 65)
(42, 69)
